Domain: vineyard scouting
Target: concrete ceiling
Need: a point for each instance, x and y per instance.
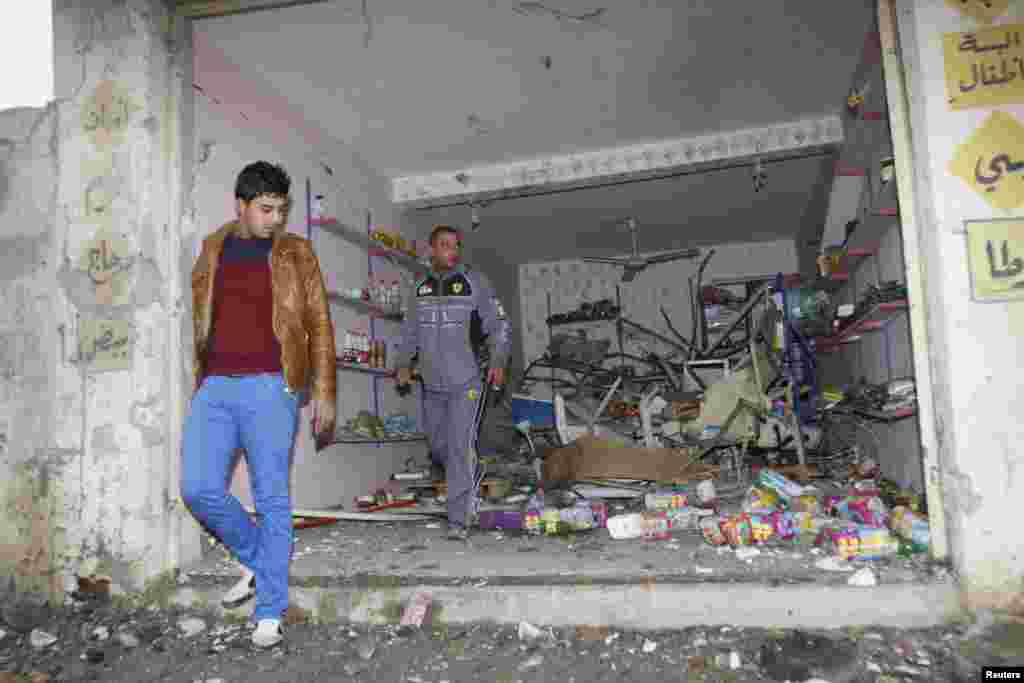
(699, 209)
(440, 85)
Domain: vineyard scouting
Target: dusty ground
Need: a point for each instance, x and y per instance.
(96, 641)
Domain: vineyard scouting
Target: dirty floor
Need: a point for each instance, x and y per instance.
(417, 552)
(96, 640)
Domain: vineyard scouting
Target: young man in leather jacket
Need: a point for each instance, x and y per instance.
(264, 342)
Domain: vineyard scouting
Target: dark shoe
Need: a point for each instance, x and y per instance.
(457, 533)
(436, 471)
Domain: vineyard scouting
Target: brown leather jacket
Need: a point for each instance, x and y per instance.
(301, 316)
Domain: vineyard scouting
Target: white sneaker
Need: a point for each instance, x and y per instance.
(242, 592)
(267, 634)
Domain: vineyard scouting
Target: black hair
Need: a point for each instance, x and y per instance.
(439, 229)
(262, 177)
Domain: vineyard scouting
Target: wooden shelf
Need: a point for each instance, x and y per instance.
(875, 319)
(361, 239)
(359, 367)
(344, 436)
(364, 307)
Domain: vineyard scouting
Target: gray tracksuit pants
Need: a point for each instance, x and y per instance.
(452, 421)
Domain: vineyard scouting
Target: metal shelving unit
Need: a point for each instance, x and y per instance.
(373, 250)
(346, 437)
(365, 307)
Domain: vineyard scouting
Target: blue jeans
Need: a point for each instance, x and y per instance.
(258, 414)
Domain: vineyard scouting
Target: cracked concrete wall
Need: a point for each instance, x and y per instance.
(976, 350)
(90, 299)
(31, 493)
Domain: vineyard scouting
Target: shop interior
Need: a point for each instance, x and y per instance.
(712, 369)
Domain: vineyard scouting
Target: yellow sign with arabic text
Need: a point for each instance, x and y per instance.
(985, 67)
(105, 345)
(991, 161)
(995, 253)
(985, 11)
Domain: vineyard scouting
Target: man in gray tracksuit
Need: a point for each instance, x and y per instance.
(446, 305)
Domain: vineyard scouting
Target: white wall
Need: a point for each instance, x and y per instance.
(887, 354)
(975, 348)
(227, 142)
(573, 282)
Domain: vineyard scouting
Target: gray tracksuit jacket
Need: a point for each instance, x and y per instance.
(439, 323)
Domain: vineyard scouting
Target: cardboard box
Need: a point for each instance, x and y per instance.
(592, 458)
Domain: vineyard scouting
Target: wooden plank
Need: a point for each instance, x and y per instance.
(205, 9)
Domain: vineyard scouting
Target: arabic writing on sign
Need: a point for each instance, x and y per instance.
(105, 263)
(985, 11)
(997, 166)
(105, 344)
(107, 113)
(996, 258)
(1006, 267)
(108, 261)
(984, 67)
(991, 161)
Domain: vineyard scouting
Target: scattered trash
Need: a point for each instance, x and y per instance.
(863, 577)
(704, 570)
(101, 633)
(649, 646)
(747, 553)
(532, 634)
(531, 663)
(366, 646)
(417, 609)
(611, 638)
(433, 525)
(191, 626)
(833, 564)
(40, 639)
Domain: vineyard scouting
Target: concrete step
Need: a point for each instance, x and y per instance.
(636, 604)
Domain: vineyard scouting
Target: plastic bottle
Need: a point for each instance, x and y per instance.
(911, 526)
(656, 525)
(626, 526)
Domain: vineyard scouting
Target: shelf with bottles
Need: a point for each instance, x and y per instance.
(876, 318)
(363, 306)
(360, 352)
(405, 257)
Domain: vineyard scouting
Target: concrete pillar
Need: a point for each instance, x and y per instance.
(975, 347)
(92, 299)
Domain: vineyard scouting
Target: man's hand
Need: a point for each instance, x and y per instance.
(323, 419)
(496, 377)
(404, 376)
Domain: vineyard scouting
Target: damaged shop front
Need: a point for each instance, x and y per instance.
(725, 461)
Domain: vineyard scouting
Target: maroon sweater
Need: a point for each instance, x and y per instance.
(242, 338)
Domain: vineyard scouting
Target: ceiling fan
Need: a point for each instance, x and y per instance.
(634, 263)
